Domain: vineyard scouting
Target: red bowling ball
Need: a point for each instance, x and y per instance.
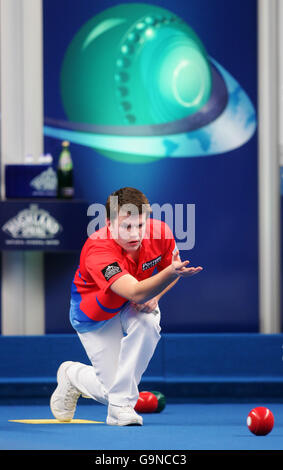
(147, 403)
(260, 421)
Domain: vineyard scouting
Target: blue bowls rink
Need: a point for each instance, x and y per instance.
(189, 426)
(211, 382)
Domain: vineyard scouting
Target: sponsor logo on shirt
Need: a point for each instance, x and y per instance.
(151, 263)
(110, 270)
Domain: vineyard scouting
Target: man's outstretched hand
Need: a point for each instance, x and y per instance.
(180, 267)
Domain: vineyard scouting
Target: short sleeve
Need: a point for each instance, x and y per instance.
(104, 267)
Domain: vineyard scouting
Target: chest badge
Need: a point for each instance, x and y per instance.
(151, 263)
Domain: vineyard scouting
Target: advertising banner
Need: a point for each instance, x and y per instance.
(162, 97)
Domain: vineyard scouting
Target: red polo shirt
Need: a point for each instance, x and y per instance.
(103, 261)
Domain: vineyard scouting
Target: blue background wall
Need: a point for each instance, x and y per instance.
(224, 297)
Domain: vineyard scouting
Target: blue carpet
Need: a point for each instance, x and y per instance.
(181, 426)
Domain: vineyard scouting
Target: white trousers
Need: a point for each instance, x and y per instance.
(119, 352)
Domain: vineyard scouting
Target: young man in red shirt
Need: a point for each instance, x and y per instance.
(114, 307)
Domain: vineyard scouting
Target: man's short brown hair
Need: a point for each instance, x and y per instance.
(129, 196)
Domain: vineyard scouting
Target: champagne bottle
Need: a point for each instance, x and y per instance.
(65, 188)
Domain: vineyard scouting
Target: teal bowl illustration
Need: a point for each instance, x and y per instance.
(138, 85)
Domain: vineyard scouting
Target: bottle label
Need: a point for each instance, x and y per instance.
(67, 192)
(65, 162)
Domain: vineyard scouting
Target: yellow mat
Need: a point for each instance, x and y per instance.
(54, 421)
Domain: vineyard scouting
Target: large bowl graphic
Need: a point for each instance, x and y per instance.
(137, 85)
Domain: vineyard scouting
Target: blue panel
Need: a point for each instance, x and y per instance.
(187, 366)
(227, 355)
(40, 224)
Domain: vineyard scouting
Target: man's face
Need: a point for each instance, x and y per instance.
(128, 231)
